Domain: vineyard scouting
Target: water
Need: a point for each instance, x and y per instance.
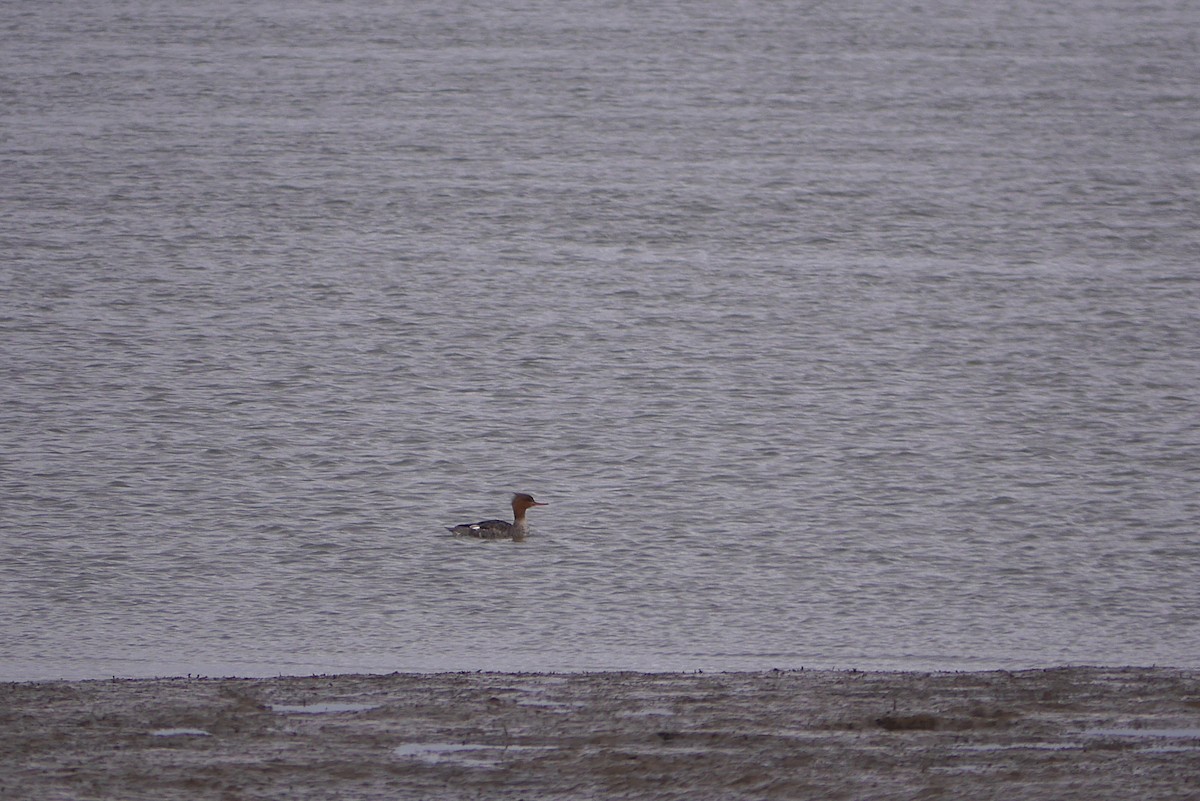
(858, 335)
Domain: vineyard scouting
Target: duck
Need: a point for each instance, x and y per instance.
(501, 529)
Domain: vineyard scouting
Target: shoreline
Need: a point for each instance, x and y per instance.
(318, 670)
(1046, 733)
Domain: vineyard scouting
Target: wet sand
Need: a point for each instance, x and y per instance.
(1069, 733)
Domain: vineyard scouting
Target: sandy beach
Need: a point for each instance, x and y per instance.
(1086, 733)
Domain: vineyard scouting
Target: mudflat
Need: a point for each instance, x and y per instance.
(1066, 733)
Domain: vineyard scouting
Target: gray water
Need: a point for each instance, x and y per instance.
(845, 334)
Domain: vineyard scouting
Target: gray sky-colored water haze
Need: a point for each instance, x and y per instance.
(842, 335)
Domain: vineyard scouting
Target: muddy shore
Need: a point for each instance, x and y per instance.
(1069, 733)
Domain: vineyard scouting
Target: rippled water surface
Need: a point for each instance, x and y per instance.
(834, 334)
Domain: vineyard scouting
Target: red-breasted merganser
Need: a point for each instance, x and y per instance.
(501, 529)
